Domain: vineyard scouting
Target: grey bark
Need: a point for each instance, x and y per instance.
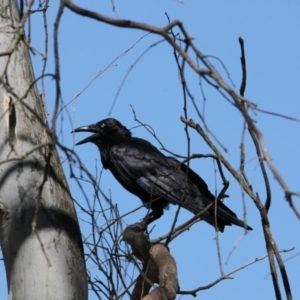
(39, 231)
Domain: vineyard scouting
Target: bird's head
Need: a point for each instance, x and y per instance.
(104, 132)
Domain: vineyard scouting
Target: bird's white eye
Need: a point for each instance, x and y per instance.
(102, 125)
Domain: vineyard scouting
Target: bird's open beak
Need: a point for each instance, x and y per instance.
(90, 128)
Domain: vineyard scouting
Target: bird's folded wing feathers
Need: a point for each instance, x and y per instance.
(152, 172)
(160, 187)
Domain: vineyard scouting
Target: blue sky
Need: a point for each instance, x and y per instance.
(271, 32)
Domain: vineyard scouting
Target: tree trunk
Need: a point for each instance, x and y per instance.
(39, 231)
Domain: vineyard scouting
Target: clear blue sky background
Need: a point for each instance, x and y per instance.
(272, 39)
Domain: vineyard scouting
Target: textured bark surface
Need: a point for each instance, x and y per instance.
(158, 266)
(39, 231)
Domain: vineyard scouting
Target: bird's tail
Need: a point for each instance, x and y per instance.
(215, 213)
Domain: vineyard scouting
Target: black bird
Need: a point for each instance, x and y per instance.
(156, 179)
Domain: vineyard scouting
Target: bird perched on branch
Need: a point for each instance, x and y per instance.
(156, 179)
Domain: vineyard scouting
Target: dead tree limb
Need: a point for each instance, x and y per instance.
(158, 266)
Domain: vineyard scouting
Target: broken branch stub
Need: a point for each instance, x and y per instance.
(158, 266)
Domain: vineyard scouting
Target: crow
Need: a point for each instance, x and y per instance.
(156, 179)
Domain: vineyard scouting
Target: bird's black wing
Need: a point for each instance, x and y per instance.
(199, 182)
(136, 160)
(225, 216)
(193, 176)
